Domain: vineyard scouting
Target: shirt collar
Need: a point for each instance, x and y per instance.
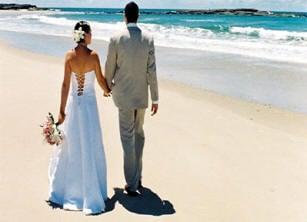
(132, 25)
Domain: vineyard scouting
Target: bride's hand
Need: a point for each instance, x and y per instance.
(61, 118)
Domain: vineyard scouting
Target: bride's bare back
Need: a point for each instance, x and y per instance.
(80, 61)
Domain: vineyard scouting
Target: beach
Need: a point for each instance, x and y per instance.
(207, 157)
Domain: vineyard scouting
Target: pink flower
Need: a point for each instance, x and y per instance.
(51, 133)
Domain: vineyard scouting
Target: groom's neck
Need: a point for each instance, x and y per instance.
(131, 24)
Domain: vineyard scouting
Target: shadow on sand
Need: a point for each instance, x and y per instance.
(148, 203)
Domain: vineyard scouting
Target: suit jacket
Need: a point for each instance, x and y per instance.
(130, 69)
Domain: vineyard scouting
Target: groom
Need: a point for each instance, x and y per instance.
(130, 68)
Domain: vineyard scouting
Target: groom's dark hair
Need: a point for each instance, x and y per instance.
(132, 12)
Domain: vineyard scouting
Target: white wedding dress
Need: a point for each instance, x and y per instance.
(77, 169)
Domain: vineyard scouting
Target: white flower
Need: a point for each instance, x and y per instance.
(78, 34)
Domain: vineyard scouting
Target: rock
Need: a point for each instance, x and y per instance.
(240, 11)
(17, 7)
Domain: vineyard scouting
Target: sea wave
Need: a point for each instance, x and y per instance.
(47, 19)
(270, 34)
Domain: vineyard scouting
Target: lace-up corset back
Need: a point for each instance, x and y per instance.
(83, 83)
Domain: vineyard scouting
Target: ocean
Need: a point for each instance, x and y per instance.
(281, 36)
(256, 58)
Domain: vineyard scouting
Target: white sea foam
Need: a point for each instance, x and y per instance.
(248, 41)
(270, 34)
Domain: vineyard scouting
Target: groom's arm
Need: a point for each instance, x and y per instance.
(152, 74)
(110, 65)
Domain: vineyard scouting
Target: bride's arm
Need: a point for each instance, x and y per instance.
(65, 88)
(99, 75)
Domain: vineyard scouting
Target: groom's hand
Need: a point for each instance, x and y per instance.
(154, 109)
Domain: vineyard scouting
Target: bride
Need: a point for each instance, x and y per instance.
(77, 169)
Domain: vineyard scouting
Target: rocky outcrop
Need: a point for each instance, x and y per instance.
(18, 7)
(242, 11)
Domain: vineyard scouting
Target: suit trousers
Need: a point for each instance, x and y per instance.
(132, 136)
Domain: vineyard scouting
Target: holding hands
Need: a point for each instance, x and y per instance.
(107, 93)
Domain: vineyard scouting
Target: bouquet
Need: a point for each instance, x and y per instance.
(51, 133)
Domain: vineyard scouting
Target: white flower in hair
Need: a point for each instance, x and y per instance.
(78, 34)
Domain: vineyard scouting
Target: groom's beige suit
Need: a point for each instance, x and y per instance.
(130, 71)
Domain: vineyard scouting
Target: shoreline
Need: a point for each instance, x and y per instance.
(241, 77)
(214, 53)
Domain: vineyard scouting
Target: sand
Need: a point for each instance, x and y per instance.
(207, 157)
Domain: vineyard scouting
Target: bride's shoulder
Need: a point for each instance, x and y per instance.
(70, 54)
(94, 54)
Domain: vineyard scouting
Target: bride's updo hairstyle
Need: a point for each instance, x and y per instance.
(80, 29)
